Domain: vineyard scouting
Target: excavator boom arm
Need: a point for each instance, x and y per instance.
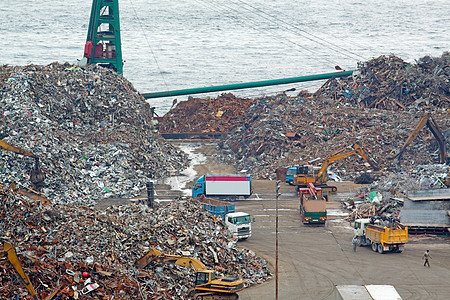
(423, 121)
(328, 161)
(339, 155)
(431, 124)
(18, 150)
(440, 139)
(10, 253)
(155, 255)
(36, 175)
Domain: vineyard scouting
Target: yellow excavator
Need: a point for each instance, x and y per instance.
(207, 285)
(10, 253)
(431, 124)
(36, 175)
(307, 175)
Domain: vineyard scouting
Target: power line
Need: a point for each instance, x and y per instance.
(215, 8)
(322, 41)
(151, 50)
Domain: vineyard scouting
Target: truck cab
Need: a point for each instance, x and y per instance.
(199, 187)
(292, 171)
(239, 224)
(360, 230)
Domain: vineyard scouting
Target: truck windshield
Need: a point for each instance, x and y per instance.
(242, 220)
(291, 172)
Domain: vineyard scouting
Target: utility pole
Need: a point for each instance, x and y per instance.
(277, 195)
(150, 194)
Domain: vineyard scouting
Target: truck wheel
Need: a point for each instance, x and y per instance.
(374, 247)
(380, 249)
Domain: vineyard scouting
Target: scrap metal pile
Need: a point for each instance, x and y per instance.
(208, 115)
(389, 83)
(385, 197)
(90, 128)
(282, 131)
(57, 244)
(265, 141)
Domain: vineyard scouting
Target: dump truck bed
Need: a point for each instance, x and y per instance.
(313, 210)
(386, 235)
(313, 205)
(216, 207)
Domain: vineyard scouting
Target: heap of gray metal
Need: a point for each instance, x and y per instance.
(91, 129)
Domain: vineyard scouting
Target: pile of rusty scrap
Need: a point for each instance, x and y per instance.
(90, 128)
(389, 83)
(62, 248)
(266, 140)
(282, 131)
(221, 114)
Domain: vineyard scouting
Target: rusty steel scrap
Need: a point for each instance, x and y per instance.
(76, 252)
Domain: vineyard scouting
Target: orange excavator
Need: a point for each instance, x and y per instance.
(36, 175)
(207, 285)
(431, 124)
(319, 179)
(10, 253)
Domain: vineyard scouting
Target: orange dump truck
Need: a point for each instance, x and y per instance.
(382, 238)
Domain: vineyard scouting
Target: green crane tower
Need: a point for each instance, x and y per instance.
(103, 45)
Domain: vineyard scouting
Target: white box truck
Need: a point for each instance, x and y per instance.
(229, 186)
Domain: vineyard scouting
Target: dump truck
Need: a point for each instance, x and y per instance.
(238, 223)
(225, 186)
(382, 235)
(207, 285)
(312, 205)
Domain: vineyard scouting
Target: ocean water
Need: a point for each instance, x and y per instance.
(169, 45)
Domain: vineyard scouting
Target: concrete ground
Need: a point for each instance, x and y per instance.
(312, 260)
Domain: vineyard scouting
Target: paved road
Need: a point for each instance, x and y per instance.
(313, 260)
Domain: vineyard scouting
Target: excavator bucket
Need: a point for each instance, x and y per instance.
(36, 175)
